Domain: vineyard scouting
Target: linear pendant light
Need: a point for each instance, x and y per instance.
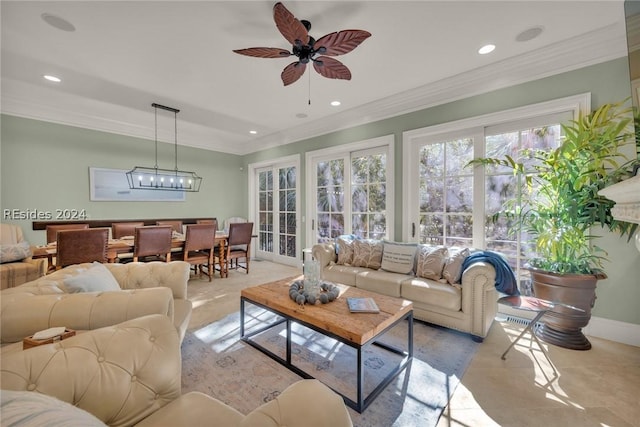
(155, 178)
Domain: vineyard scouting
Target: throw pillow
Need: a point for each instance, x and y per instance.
(367, 253)
(30, 408)
(431, 261)
(344, 249)
(398, 257)
(96, 278)
(453, 266)
(16, 252)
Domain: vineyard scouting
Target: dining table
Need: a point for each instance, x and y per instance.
(124, 245)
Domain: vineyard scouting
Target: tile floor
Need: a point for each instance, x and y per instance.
(599, 387)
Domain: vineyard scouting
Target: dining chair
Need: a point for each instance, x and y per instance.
(152, 243)
(124, 229)
(52, 230)
(78, 246)
(232, 220)
(239, 244)
(175, 225)
(198, 247)
(207, 221)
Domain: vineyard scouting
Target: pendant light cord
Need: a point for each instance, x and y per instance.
(156, 134)
(175, 126)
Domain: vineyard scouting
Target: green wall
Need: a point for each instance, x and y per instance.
(607, 82)
(45, 167)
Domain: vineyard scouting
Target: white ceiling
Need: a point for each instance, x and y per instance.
(125, 55)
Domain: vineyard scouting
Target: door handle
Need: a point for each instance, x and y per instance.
(413, 229)
(313, 224)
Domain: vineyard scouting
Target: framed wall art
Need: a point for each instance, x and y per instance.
(111, 185)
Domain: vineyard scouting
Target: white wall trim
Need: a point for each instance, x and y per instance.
(613, 330)
(598, 327)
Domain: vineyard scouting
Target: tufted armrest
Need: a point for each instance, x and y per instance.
(324, 253)
(135, 275)
(292, 409)
(479, 296)
(120, 374)
(23, 314)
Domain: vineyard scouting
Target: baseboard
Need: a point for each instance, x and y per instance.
(613, 330)
(599, 327)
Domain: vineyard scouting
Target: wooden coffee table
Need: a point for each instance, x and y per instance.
(357, 330)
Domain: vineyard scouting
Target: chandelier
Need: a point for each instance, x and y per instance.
(155, 178)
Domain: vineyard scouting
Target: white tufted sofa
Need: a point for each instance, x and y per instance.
(130, 374)
(147, 288)
(469, 307)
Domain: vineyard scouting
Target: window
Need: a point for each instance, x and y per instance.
(349, 187)
(453, 205)
(274, 205)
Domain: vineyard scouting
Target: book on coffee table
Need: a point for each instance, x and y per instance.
(362, 305)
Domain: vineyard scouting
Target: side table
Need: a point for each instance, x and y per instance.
(537, 305)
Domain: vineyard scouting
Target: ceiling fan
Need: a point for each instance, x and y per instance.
(307, 49)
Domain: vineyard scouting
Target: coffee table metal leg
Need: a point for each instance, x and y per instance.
(360, 397)
(288, 350)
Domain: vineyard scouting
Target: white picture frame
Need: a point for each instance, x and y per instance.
(111, 185)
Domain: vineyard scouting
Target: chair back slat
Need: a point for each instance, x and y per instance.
(79, 246)
(176, 225)
(52, 230)
(199, 237)
(122, 229)
(240, 233)
(152, 240)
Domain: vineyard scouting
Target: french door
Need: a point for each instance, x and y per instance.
(448, 203)
(350, 191)
(276, 213)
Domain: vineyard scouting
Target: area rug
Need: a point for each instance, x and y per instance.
(216, 362)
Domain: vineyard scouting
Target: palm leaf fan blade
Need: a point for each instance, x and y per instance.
(290, 27)
(293, 72)
(264, 52)
(331, 68)
(341, 42)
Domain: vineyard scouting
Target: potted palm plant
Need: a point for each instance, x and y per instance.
(561, 208)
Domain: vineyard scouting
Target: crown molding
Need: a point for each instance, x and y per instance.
(105, 117)
(595, 47)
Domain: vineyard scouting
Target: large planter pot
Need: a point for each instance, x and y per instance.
(563, 326)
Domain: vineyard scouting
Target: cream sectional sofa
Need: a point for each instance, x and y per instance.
(138, 289)
(467, 305)
(130, 374)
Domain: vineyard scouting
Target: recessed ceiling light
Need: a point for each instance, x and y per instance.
(57, 22)
(335, 103)
(530, 34)
(488, 48)
(52, 78)
(253, 132)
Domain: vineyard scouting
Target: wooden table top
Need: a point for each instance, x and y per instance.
(116, 246)
(335, 316)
